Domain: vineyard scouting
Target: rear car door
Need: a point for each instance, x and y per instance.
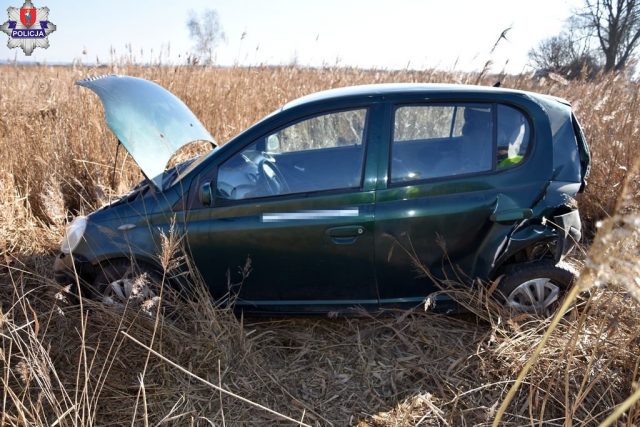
(451, 166)
(293, 202)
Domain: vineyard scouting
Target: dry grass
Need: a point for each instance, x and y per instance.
(72, 364)
(58, 154)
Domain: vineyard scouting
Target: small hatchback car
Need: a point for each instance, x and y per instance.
(335, 195)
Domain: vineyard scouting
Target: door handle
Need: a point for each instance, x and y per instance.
(345, 235)
(348, 231)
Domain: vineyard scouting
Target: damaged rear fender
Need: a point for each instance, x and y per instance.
(560, 235)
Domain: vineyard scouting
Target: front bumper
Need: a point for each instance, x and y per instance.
(68, 269)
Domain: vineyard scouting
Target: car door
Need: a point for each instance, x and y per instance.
(451, 165)
(294, 205)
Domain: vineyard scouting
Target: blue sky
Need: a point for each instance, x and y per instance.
(363, 33)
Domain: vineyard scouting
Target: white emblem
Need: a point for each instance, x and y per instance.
(30, 30)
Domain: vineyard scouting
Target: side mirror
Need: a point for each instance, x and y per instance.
(206, 196)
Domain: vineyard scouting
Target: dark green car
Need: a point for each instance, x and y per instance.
(335, 195)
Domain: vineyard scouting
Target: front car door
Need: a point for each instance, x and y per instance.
(294, 202)
(450, 166)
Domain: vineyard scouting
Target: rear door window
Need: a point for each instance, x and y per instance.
(445, 140)
(433, 141)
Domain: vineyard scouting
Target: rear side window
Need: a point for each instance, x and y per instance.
(435, 141)
(513, 136)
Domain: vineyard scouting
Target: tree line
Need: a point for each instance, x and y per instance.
(601, 36)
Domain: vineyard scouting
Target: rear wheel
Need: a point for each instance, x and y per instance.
(535, 287)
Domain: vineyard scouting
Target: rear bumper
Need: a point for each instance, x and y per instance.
(67, 269)
(570, 230)
(561, 233)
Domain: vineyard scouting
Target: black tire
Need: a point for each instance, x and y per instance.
(523, 280)
(114, 273)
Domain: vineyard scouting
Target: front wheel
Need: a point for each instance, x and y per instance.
(122, 283)
(535, 287)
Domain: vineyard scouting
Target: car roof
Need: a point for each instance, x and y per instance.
(377, 90)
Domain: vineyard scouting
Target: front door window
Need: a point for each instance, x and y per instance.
(323, 153)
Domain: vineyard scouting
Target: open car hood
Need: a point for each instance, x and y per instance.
(149, 121)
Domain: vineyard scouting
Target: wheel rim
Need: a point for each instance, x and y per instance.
(128, 290)
(534, 296)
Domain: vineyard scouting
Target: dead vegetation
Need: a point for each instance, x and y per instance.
(69, 364)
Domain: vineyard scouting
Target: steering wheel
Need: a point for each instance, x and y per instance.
(273, 176)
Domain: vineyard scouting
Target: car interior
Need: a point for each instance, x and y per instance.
(266, 168)
(470, 152)
(258, 173)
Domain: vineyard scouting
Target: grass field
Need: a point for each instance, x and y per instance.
(74, 365)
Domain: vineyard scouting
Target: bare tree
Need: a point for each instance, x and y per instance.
(616, 25)
(207, 34)
(569, 53)
(552, 54)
